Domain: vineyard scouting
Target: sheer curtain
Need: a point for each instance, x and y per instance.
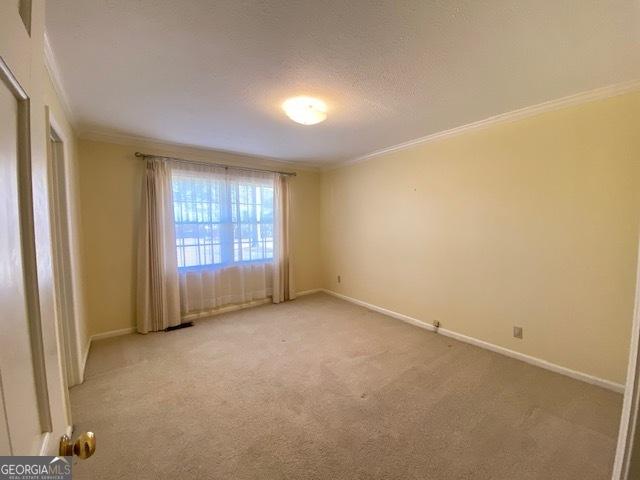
(224, 232)
(225, 240)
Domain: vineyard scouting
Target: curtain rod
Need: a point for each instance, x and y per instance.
(222, 165)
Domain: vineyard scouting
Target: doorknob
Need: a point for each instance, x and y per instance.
(84, 446)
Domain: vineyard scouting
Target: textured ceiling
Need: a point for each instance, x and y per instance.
(214, 73)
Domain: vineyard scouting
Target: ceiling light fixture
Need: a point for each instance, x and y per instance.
(305, 110)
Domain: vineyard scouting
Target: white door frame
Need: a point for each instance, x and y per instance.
(630, 417)
(60, 214)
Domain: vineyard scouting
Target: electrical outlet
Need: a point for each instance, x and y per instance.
(517, 332)
(339, 279)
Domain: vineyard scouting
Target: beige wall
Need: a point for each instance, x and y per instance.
(531, 223)
(110, 186)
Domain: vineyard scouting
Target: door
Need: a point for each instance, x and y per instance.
(33, 407)
(22, 370)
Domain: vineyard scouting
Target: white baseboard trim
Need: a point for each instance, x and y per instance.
(538, 362)
(384, 311)
(85, 356)
(308, 292)
(112, 333)
(101, 336)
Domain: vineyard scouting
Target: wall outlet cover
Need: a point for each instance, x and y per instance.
(517, 332)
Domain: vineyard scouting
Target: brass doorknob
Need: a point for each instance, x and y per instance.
(84, 446)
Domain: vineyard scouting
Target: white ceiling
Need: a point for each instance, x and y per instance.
(214, 73)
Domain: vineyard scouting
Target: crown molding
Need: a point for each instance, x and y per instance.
(522, 113)
(51, 65)
(162, 147)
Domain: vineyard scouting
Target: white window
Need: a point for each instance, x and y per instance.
(222, 221)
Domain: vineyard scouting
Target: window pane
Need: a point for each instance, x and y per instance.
(220, 222)
(246, 231)
(191, 256)
(266, 230)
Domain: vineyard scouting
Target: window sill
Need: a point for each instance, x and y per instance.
(223, 266)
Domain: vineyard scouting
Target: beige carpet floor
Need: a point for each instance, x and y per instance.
(322, 389)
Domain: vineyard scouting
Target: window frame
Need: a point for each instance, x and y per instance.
(226, 225)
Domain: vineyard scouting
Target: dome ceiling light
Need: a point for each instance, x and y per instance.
(305, 110)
